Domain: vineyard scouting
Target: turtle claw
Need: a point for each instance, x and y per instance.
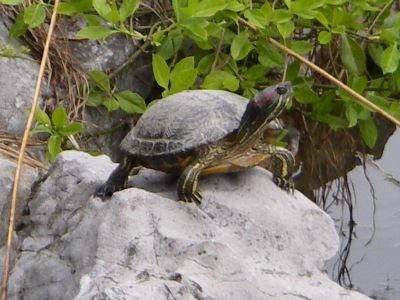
(192, 198)
(196, 198)
(286, 184)
(106, 190)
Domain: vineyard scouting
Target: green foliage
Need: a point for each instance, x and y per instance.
(11, 2)
(9, 51)
(352, 56)
(103, 94)
(93, 11)
(230, 55)
(223, 44)
(181, 77)
(58, 129)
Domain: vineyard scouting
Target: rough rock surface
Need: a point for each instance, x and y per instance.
(248, 240)
(17, 83)
(7, 173)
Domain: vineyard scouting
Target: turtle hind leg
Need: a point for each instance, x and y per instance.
(188, 183)
(117, 179)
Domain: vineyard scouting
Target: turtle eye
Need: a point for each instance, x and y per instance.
(281, 90)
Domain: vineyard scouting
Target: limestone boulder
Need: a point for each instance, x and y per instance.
(247, 240)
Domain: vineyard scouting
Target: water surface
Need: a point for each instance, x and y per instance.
(374, 259)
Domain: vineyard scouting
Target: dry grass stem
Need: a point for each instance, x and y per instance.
(11, 224)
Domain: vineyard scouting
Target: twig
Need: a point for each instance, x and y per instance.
(11, 223)
(335, 81)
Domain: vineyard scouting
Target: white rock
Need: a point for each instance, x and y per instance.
(248, 240)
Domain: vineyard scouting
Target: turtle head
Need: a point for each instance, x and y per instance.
(271, 100)
(261, 109)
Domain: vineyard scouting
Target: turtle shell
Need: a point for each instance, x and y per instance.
(184, 121)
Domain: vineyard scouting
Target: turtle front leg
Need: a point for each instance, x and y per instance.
(283, 164)
(117, 179)
(188, 183)
(283, 161)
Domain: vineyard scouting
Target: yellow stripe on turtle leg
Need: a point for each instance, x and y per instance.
(283, 168)
(188, 183)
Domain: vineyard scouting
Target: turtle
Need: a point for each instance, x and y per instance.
(200, 132)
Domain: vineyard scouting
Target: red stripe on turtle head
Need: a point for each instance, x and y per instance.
(270, 94)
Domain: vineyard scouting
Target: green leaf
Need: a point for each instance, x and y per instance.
(395, 110)
(177, 7)
(59, 118)
(95, 98)
(41, 117)
(183, 75)
(41, 129)
(307, 14)
(34, 15)
(375, 51)
(101, 79)
(324, 37)
(67, 9)
(160, 71)
(281, 16)
(231, 83)
(196, 28)
(106, 11)
(220, 80)
(70, 129)
(95, 32)
(270, 57)
(369, 131)
(208, 8)
(111, 104)
(92, 20)
(304, 94)
(286, 28)
(390, 59)
(19, 27)
(380, 101)
(300, 5)
(171, 45)
(255, 72)
(351, 115)
(234, 6)
(214, 30)
(74, 7)
(157, 37)
(338, 29)
(130, 102)
(394, 82)
(256, 17)
(205, 64)
(11, 2)
(241, 46)
(292, 70)
(352, 56)
(54, 145)
(389, 35)
(326, 104)
(358, 83)
(301, 47)
(128, 7)
(322, 19)
(333, 121)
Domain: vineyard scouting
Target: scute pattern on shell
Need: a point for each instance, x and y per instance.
(184, 121)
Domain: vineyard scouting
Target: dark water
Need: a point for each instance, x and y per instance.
(374, 259)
